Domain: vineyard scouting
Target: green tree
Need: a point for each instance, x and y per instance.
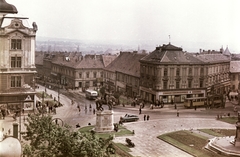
(49, 138)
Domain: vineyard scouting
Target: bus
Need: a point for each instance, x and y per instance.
(196, 101)
(91, 94)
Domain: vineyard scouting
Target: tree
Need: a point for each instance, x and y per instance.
(49, 138)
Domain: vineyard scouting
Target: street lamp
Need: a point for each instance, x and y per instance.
(58, 92)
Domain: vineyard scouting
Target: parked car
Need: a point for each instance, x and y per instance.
(129, 118)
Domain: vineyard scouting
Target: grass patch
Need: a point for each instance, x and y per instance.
(121, 149)
(189, 142)
(219, 132)
(231, 120)
(122, 131)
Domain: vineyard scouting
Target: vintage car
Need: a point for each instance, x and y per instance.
(129, 118)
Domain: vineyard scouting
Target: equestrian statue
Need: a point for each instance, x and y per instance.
(106, 100)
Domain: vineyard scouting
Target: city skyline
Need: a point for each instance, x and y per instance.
(191, 25)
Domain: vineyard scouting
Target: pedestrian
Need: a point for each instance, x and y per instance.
(148, 117)
(79, 109)
(144, 117)
(175, 106)
(85, 108)
(90, 107)
(140, 110)
(94, 111)
(23, 110)
(177, 113)
(195, 107)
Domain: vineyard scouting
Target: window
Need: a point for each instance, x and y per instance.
(87, 74)
(177, 85)
(95, 75)
(189, 84)
(190, 71)
(165, 85)
(16, 62)
(80, 75)
(15, 81)
(201, 83)
(178, 72)
(16, 44)
(165, 73)
(202, 71)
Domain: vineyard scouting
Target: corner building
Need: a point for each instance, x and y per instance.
(169, 74)
(17, 60)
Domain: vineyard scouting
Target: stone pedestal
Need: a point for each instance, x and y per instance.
(104, 121)
(237, 137)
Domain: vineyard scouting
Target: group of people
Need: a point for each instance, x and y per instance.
(46, 107)
(146, 117)
(90, 108)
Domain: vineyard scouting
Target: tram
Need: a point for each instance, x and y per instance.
(196, 101)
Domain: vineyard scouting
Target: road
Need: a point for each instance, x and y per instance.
(70, 114)
(162, 120)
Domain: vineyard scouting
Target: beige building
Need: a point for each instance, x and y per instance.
(169, 74)
(17, 60)
(71, 70)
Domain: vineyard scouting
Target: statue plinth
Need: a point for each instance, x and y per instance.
(237, 137)
(104, 121)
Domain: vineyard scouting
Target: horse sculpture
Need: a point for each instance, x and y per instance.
(108, 100)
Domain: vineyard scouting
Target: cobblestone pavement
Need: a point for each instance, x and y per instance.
(148, 145)
(146, 142)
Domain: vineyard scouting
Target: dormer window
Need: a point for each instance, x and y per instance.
(16, 44)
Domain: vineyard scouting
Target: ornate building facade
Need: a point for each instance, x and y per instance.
(17, 61)
(168, 74)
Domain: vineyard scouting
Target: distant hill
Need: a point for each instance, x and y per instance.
(47, 44)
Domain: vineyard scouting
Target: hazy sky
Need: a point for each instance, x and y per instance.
(191, 24)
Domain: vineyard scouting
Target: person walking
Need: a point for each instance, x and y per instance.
(148, 117)
(144, 117)
(85, 108)
(90, 107)
(140, 110)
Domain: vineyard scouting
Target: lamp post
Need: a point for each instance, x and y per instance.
(42, 102)
(58, 92)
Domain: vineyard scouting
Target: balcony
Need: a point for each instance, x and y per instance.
(165, 78)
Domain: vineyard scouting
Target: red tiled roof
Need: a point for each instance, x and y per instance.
(127, 63)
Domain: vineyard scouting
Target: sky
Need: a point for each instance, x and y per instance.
(190, 24)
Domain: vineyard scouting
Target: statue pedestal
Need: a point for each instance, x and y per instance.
(104, 121)
(237, 137)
